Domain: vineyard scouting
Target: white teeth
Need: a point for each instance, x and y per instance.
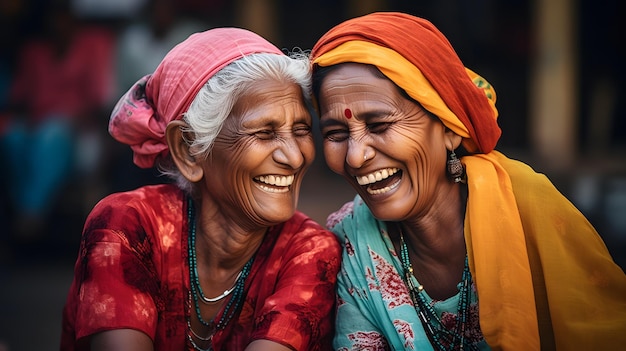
(276, 180)
(382, 190)
(376, 176)
(274, 190)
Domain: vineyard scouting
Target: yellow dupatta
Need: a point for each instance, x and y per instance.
(579, 291)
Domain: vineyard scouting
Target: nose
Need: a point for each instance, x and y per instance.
(359, 152)
(289, 153)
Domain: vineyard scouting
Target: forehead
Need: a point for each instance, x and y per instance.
(355, 86)
(269, 93)
(261, 90)
(269, 101)
(352, 72)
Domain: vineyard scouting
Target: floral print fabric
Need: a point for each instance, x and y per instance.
(132, 272)
(375, 311)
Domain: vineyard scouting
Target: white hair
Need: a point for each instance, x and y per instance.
(215, 100)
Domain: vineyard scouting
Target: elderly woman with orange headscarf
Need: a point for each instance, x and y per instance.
(449, 244)
(220, 260)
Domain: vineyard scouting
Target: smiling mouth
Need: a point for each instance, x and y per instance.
(380, 181)
(274, 183)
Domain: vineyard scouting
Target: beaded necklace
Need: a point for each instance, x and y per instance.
(196, 294)
(442, 338)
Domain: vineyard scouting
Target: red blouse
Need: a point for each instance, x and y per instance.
(132, 272)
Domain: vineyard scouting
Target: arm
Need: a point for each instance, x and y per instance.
(114, 282)
(266, 345)
(122, 340)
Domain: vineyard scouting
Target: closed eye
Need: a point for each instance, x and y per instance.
(302, 130)
(265, 134)
(336, 135)
(378, 128)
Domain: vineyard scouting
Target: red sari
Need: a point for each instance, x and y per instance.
(132, 272)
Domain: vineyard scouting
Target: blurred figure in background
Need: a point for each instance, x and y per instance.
(142, 44)
(61, 86)
(11, 33)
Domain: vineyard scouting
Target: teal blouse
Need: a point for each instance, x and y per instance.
(375, 311)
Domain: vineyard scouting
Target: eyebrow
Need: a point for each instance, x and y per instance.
(330, 122)
(270, 120)
(363, 117)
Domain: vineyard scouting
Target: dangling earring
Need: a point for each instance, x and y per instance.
(456, 169)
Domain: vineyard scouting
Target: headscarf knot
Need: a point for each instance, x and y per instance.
(141, 116)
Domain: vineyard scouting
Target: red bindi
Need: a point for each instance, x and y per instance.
(347, 113)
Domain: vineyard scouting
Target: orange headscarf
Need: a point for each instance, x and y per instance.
(436, 76)
(536, 260)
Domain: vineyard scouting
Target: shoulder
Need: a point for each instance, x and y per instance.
(118, 211)
(350, 213)
(302, 226)
(336, 217)
(146, 198)
(521, 173)
(529, 185)
(535, 194)
(302, 234)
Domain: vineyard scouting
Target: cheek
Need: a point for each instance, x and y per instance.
(307, 148)
(424, 161)
(335, 156)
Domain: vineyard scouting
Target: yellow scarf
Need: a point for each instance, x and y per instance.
(579, 292)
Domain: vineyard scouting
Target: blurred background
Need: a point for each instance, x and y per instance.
(558, 67)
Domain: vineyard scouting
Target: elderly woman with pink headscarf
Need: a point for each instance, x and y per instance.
(220, 259)
(449, 244)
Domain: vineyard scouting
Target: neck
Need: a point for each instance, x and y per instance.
(437, 234)
(223, 246)
(435, 246)
(224, 254)
(217, 259)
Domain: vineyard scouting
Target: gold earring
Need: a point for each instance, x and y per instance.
(456, 170)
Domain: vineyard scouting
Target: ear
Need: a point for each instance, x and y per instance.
(452, 140)
(184, 160)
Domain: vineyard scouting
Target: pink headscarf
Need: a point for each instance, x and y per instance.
(141, 116)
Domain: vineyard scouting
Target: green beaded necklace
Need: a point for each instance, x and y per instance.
(442, 338)
(233, 304)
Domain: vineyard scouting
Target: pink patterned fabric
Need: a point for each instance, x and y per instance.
(141, 116)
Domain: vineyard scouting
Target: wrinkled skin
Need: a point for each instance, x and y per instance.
(394, 154)
(268, 134)
(386, 131)
(249, 181)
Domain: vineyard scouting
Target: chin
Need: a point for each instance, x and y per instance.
(383, 215)
(276, 211)
(384, 211)
(277, 217)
